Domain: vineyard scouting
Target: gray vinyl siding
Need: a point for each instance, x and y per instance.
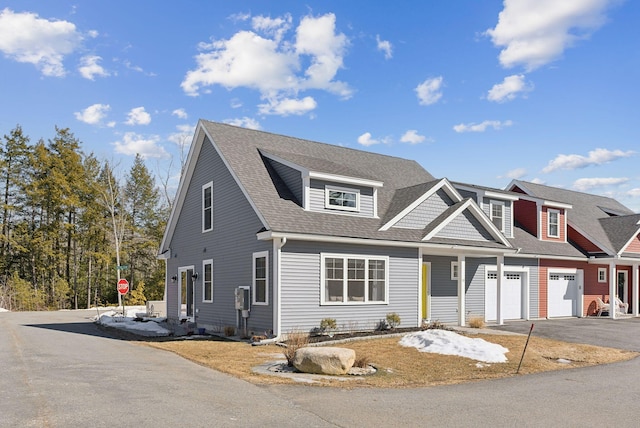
(426, 212)
(291, 177)
(468, 194)
(317, 198)
(475, 303)
(230, 245)
(465, 226)
(444, 290)
(301, 288)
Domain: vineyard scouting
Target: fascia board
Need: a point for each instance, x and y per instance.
(416, 203)
(344, 179)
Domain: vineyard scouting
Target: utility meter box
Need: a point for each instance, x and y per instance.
(242, 299)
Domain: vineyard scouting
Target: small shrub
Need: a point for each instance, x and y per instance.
(434, 325)
(295, 341)
(229, 330)
(476, 322)
(328, 325)
(393, 319)
(382, 325)
(362, 361)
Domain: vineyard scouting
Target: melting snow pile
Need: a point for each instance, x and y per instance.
(451, 343)
(113, 318)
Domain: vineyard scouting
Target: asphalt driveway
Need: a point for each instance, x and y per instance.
(622, 333)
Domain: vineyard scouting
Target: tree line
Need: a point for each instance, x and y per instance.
(70, 225)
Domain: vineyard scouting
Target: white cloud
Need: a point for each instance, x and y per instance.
(429, 91)
(584, 184)
(183, 136)
(595, 157)
(412, 137)
(245, 122)
(538, 181)
(366, 140)
(133, 144)
(94, 114)
(481, 127)
(25, 37)
(533, 33)
(138, 116)
(180, 113)
(288, 106)
(89, 67)
(635, 192)
(276, 27)
(272, 64)
(509, 89)
(515, 174)
(385, 46)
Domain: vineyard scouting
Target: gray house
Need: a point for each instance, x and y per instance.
(273, 233)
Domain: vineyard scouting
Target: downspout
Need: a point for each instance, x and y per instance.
(277, 314)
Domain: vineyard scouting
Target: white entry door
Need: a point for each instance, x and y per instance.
(562, 295)
(512, 302)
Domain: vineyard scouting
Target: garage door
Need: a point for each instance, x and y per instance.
(511, 296)
(562, 295)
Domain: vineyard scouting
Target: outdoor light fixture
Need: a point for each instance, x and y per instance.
(194, 276)
(174, 278)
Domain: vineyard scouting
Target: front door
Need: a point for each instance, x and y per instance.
(185, 292)
(424, 308)
(622, 286)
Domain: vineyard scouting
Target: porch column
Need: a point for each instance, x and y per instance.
(613, 289)
(634, 289)
(500, 269)
(462, 319)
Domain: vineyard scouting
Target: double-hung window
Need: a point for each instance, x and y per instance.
(207, 281)
(497, 215)
(354, 279)
(454, 271)
(553, 221)
(207, 207)
(342, 198)
(602, 274)
(261, 278)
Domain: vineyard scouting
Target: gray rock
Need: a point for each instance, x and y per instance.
(324, 360)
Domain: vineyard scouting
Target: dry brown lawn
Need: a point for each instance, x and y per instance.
(401, 367)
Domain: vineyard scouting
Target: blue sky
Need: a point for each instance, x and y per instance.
(476, 91)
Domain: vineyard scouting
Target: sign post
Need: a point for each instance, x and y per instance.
(123, 288)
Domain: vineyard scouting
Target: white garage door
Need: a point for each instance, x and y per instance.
(562, 295)
(511, 296)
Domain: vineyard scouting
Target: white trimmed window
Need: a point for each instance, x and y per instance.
(340, 198)
(348, 279)
(454, 271)
(497, 215)
(553, 223)
(261, 278)
(207, 281)
(602, 274)
(207, 207)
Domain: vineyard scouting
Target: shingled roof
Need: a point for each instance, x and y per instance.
(590, 214)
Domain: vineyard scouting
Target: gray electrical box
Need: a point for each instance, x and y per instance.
(242, 299)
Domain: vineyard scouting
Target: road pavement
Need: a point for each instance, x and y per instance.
(57, 369)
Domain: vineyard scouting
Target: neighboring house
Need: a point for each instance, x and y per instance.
(304, 231)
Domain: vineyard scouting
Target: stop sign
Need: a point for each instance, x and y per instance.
(123, 286)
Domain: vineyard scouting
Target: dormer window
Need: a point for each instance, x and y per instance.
(497, 215)
(340, 198)
(553, 223)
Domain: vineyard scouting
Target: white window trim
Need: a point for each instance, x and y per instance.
(345, 257)
(454, 271)
(328, 188)
(502, 207)
(208, 185)
(602, 274)
(205, 263)
(258, 255)
(549, 211)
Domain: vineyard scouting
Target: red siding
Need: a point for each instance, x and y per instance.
(582, 242)
(634, 246)
(525, 213)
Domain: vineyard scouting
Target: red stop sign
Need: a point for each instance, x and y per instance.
(123, 286)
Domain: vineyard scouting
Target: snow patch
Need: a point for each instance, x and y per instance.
(451, 343)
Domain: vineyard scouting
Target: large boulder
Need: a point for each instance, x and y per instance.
(324, 360)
